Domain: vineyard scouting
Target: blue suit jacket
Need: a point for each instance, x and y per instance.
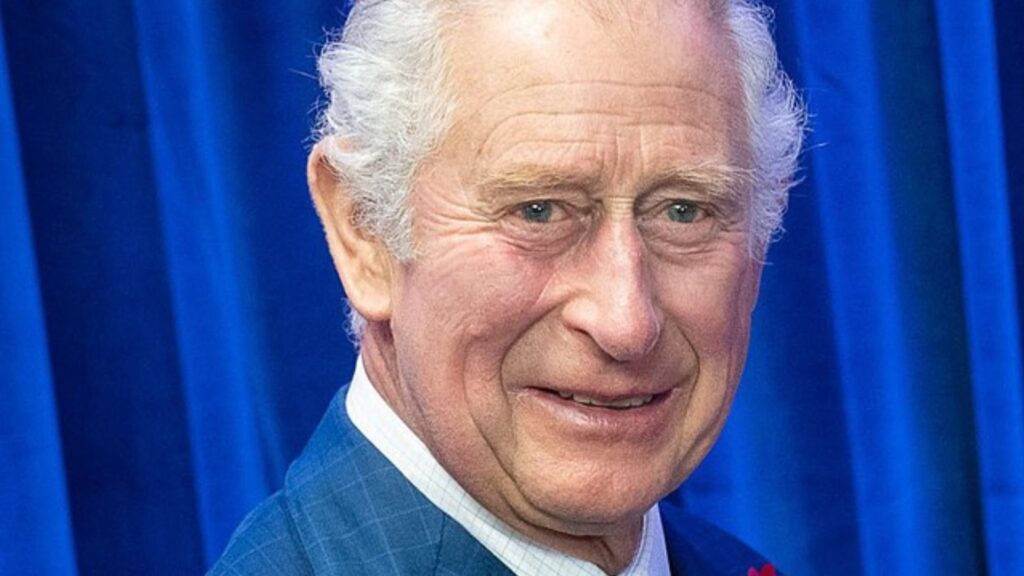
(345, 509)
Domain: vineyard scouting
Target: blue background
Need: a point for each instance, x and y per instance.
(171, 328)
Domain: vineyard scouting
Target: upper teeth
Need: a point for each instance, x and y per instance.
(624, 403)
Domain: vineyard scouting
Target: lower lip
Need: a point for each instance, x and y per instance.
(600, 423)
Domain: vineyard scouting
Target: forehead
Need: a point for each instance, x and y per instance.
(599, 10)
(671, 38)
(538, 75)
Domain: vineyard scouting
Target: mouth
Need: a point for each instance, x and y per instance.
(623, 403)
(599, 416)
(601, 402)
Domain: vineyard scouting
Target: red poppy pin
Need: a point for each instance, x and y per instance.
(766, 570)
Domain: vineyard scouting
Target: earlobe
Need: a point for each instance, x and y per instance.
(363, 263)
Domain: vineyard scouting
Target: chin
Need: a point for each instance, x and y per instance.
(594, 497)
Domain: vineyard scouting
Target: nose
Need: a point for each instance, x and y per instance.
(613, 303)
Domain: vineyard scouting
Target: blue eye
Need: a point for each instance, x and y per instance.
(685, 212)
(539, 212)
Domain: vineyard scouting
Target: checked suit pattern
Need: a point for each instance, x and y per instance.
(346, 510)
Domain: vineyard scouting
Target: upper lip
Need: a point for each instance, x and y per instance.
(606, 395)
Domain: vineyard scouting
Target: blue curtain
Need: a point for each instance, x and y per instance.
(171, 328)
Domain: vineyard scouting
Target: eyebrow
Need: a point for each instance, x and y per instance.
(719, 183)
(722, 184)
(530, 177)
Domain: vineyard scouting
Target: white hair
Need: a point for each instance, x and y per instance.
(776, 120)
(389, 107)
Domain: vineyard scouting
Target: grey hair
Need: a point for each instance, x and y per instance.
(776, 120)
(389, 107)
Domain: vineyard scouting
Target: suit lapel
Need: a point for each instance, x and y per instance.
(683, 559)
(459, 553)
(344, 491)
(698, 548)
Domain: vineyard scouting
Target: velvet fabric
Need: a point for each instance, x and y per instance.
(171, 327)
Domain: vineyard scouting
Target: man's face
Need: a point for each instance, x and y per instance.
(570, 334)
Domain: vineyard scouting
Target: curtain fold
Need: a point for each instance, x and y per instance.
(34, 503)
(103, 279)
(171, 327)
(849, 171)
(970, 72)
(189, 157)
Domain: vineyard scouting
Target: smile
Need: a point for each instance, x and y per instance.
(621, 404)
(600, 415)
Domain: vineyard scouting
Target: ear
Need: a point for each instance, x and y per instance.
(361, 259)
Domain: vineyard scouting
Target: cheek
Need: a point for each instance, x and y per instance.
(475, 293)
(711, 307)
(710, 301)
(461, 308)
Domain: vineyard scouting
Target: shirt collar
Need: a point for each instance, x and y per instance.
(376, 420)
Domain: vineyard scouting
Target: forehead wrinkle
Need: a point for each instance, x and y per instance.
(545, 85)
(582, 105)
(587, 160)
(496, 131)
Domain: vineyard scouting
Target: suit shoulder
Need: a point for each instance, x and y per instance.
(344, 509)
(265, 543)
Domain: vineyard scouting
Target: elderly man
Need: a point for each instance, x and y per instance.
(549, 218)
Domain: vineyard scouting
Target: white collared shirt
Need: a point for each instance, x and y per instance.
(372, 416)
